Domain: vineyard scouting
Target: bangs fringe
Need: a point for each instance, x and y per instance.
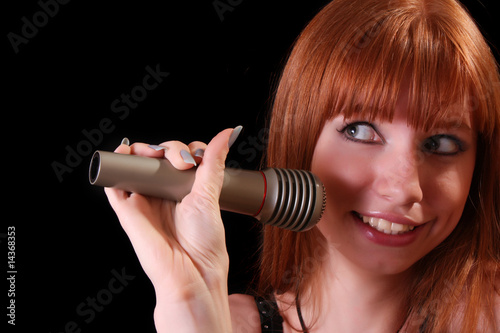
(446, 85)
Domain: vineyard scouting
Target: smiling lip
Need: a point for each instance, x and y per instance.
(387, 224)
(387, 229)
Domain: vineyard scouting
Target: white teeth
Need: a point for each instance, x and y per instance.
(397, 227)
(386, 226)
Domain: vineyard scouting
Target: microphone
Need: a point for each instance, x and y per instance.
(285, 198)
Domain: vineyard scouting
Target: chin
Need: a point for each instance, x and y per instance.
(358, 246)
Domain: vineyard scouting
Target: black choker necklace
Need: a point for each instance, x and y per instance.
(299, 313)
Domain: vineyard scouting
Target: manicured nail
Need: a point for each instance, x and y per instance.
(187, 157)
(125, 141)
(157, 147)
(199, 152)
(234, 135)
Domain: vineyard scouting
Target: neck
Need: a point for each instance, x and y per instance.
(357, 300)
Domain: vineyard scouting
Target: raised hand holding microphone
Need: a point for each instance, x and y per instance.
(181, 246)
(290, 199)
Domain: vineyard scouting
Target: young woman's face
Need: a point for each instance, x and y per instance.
(393, 192)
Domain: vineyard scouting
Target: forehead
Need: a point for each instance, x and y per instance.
(444, 117)
(409, 100)
(461, 120)
(438, 113)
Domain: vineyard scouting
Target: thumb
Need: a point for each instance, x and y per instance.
(210, 173)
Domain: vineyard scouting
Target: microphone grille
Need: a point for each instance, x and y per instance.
(300, 200)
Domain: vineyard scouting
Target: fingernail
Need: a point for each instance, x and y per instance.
(234, 135)
(187, 157)
(157, 147)
(125, 141)
(199, 152)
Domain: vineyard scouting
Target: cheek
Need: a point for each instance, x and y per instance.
(344, 174)
(447, 194)
(448, 185)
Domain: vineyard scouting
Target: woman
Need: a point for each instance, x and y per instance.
(395, 105)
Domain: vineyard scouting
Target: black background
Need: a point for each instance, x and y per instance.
(62, 82)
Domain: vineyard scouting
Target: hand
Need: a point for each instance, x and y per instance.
(181, 246)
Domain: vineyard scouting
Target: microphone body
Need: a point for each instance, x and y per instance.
(290, 199)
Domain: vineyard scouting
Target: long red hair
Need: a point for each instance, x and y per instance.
(359, 51)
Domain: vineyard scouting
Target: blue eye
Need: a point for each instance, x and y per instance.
(442, 145)
(361, 132)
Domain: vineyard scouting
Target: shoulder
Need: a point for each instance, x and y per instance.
(495, 314)
(244, 314)
(492, 325)
(496, 304)
(489, 314)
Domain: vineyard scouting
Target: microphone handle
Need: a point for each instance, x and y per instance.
(290, 199)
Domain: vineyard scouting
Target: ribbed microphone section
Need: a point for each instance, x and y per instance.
(295, 201)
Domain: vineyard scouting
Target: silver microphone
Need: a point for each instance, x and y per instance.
(285, 198)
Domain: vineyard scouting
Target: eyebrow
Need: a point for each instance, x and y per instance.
(452, 124)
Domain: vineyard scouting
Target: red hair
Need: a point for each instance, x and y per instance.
(352, 58)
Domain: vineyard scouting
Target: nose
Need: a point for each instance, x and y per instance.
(397, 178)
